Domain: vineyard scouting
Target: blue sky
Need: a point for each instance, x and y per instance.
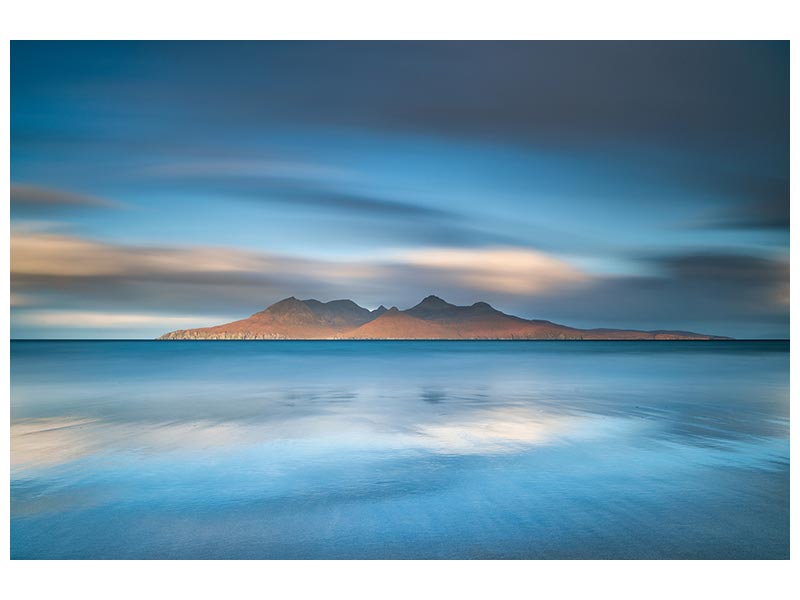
(157, 186)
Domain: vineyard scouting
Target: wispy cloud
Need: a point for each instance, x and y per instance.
(142, 286)
(128, 285)
(102, 320)
(720, 292)
(285, 181)
(509, 270)
(297, 185)
(70, 256)
(767, 214)
(251, 168)
(36, 196)
(55, 256)
(749, 202)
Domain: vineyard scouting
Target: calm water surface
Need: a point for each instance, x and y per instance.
(399, 450)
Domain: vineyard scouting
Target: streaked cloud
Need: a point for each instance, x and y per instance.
(767, 214)
(505, 270)
(63, 256)
(65, 280)
(104, 285)
(753, 202)
(36, 196)
(511, 270)
(361, 204)
(725, 267)
(18, 299)
(71, 256)
(297, 186)
(724, 293)
(251, 168)
(92, 320)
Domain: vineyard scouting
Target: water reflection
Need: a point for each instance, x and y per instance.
(433, 395)
(37, 443)
(451, 450)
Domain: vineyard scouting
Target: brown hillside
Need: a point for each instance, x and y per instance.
(433, 318)
(396, 325)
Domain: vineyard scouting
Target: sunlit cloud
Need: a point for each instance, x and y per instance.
(71, 256)
(89, 319)
(46, 261)
(62, 255)
(511, 270)
(106, 285)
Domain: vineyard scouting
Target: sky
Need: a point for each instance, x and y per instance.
(166, 185)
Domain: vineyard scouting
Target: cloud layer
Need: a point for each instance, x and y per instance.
(46, 262)
(74, 282)
(26, 196)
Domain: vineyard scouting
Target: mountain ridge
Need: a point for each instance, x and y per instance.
(430, 319)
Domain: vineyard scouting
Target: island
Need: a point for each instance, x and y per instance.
(431, 319)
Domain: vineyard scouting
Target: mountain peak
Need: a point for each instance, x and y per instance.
(283, 304)
(433, 302)
(343, 302)
(338, 313)
(288, 310)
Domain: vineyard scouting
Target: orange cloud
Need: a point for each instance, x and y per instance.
(519, 271)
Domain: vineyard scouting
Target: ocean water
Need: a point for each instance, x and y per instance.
(434, 450)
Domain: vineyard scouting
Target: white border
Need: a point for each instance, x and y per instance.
(400, 19)
(410, 19)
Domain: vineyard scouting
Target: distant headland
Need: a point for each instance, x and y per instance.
(431, 319)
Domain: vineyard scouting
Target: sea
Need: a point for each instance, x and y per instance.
(399, 450)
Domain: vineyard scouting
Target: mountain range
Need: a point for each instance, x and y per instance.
(431, 319)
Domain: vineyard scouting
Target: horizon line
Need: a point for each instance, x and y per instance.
(392, 340)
